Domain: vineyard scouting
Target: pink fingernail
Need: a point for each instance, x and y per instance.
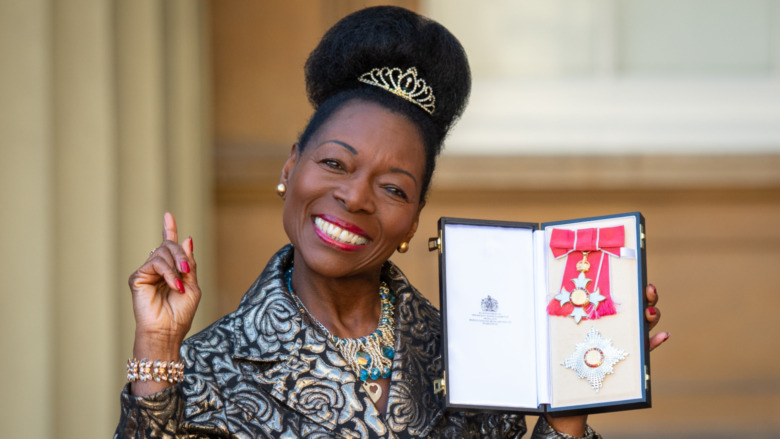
(652, 311)
(192, 245)
(179, 285)
(185, 267)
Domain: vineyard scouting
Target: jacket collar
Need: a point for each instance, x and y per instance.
(267, 325)
(295, 359)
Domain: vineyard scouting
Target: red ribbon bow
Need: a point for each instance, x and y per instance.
(600, 243)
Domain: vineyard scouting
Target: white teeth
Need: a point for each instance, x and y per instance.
(337, 233)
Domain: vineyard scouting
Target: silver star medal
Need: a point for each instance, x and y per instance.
(594, 358)
(579, 297)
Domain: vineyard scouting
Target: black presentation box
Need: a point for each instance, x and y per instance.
(544, 318)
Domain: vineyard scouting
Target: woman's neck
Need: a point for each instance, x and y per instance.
(347, 306)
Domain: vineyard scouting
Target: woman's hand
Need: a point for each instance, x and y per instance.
(653, 316)
(165, 296)
(575, 425)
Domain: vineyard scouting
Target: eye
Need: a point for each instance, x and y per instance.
(397, 192)
(332, 164)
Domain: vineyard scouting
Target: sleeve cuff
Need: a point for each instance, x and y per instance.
(148, 401)
(152, 416)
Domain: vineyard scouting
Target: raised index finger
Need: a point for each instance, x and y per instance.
(169, 228)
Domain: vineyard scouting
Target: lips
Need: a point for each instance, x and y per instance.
(339, 233)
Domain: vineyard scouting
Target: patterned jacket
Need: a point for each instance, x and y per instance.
(264, 372)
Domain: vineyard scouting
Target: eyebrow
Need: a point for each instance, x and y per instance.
(347, 146)
(401, 171)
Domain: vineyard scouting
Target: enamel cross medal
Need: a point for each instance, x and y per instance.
(579, 296)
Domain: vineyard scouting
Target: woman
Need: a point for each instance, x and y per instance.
(331, 340)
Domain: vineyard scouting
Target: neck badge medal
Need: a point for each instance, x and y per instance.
(583, 296)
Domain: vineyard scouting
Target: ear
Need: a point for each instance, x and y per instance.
(289, 165)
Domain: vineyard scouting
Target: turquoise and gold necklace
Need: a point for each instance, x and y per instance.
(371, 356)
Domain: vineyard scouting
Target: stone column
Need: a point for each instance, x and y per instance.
(102, 122)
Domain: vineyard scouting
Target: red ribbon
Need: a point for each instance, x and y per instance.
(601, 243)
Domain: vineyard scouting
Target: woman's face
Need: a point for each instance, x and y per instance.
(353, 193)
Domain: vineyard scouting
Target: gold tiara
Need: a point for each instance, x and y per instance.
(403, 84)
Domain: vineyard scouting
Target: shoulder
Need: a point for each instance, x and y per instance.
(219, 342)
(214, 340)
(214, 357)
(221, 339)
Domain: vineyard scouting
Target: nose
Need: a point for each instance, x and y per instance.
(356, 194)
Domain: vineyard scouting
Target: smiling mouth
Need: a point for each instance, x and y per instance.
(338, 234)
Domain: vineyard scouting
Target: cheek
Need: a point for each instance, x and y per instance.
(288, 222)
(402, 222)
(306, 186)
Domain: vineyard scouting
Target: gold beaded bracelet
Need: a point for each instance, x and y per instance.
(146, 370)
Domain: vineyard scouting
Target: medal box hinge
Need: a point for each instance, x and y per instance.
(641, 236)
(440, 385)
(435, 243)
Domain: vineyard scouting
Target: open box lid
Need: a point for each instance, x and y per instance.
(504, 349)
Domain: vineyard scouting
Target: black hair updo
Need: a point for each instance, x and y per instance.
(389, 36)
